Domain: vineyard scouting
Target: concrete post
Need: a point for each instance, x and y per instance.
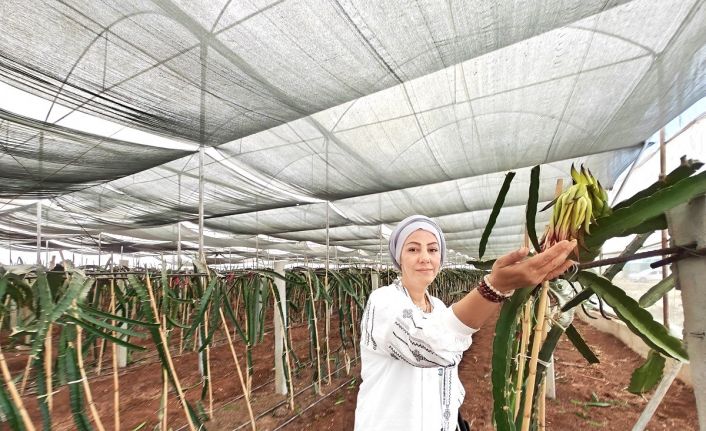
(374, 279)
(280, 331)
(687, 224)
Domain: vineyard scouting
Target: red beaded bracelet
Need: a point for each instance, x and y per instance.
(490, 294)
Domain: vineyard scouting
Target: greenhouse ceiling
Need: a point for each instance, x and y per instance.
(323, 121)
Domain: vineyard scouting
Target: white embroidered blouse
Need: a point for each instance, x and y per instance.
(409, 364)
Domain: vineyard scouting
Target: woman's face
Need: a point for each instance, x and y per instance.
(420, 259)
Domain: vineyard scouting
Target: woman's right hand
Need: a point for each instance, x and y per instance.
(513, 271)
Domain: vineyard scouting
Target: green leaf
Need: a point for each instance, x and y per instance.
(648, 375)
(3, 289)
(162, 351)
(577, 340)
(173, 323)
(577, 299)
(657, 291)
(231, 316)
(9, 411)
(494, 213)
(213, 324)
(648, 226)
(485, 265)
(111, 328)
(105, 335)
(272, 274)
(203, 306)
(638, 319)
(75, 391)
(116, 317)
(505, 330)
(78, 288)
(685, 170)
(345, 283)
(625, 220)
(40, 379)
(545, 355)
(531, 212)
(47, 308)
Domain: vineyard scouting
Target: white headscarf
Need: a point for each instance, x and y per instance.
(405, 229)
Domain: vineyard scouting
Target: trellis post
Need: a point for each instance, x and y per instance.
(280, 330)
(687, 223)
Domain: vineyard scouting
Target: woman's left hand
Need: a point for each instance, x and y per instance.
(512, 271)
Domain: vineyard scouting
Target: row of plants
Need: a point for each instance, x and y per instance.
(75, 327)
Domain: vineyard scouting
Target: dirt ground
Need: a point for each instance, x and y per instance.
(577, 385)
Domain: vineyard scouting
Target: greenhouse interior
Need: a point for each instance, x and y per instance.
(200, 199)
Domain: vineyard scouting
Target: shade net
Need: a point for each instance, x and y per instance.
(327, 122)
(44, 160)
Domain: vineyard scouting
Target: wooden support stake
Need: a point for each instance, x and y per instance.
(170, 363)
(84, 380)
(316, 335)
(536, 344)
(47, 369)
(521, 359)
(101, 350)
(543, 387)
(328, 346)
(10, 384)
(537, 341)
(114, 351)
(208, 368)
(524, 341)
(240, 373)
(25, 376)
(165, 390)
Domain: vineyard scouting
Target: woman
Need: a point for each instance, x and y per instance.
(411, 343)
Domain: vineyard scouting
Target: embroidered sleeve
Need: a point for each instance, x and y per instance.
(434, 340)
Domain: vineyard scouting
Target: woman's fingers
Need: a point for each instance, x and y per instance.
(555, 256)
(560, 270)
(512, 257)
(512, 271)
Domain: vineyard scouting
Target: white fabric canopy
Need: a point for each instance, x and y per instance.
(350, 115)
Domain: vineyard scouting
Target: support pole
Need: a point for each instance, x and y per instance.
(179, 228)
(380, 251)
(687, 223)
(202, 140)
(39, 233)
(662, 174)
(550, 380)
(327, 327)
(202, 257)
(100, 239)
(657, 397)
(280, 331)
(119, 350)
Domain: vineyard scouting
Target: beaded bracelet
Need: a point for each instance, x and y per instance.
(488, 292)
